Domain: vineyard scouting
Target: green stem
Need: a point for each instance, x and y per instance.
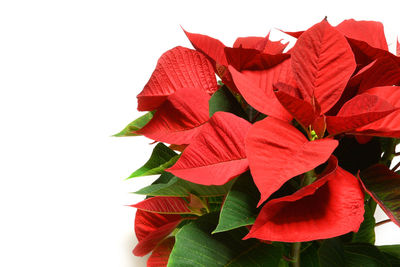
(383, 222)
(296, 254)
(389, 152)
(308, 178)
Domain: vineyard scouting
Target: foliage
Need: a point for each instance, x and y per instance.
(281, 162)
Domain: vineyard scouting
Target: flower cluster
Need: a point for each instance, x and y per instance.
(290, 145)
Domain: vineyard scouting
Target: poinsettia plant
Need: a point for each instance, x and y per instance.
(280, 162)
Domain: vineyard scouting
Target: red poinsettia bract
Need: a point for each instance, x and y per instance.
(152, 228)
(331, 206)
(335, 81)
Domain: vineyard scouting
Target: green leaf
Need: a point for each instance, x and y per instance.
(135, 125)
(181, 188)
(331, 253)
(366, 233)
(196, 246)
(393, 250)
(384, 187)
(283, 263)
(394, 261)
(240, 206)
(223, 100)
(392, 254)
(258, 255)
(167, 188)
(365, 255)
(309, 257)
(161, 158)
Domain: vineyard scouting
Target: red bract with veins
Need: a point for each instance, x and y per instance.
(247, 52)
(322, 63)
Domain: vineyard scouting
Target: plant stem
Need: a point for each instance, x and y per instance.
(389, 152)
(382, 222)
(296, 254)
(395, 167)
(308, 178)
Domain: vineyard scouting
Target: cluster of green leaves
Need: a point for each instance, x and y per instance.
(214, 238)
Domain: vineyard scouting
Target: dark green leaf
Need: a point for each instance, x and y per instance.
(161, 158)
(166, 188)
(135, 125)
(366, 233)
(388, 145)
(331, 253)
(181, 188)
(394, 261)
(364, 255)
(223, 100)
(384, 187)
(309, 257)
(391, 249)
(196, 246)
(240, 205)
(283, 263)
(258, 255)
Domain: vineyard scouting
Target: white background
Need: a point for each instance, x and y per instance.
(69, 75)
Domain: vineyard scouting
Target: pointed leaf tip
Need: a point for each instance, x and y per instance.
(371, 32)
(139, 123)
(164, 205)
(277, 152)
(179, 118)
(177, 68)
(322, 63)
(331, 206)
(216, 155)
(151, 228)
(161, 158)
(257, 88)
(361, 110)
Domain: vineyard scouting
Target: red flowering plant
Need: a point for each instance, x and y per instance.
(281, 162)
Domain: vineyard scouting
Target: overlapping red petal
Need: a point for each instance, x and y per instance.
(177, 68)
(365, 54)
(251, 42)
(384, 71)
(151, 228)
(262, 44)
(277, 152)
(179, 118)
(217, 153)
(251, 59)
(322, 63)
(301, 110)
(166, 205)
(370, 32)
(389, 126)
(257, 88)
(211, 47)
(274, 47)
(331, 206)
(340, 80)
(160, 255)
(358, 112)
